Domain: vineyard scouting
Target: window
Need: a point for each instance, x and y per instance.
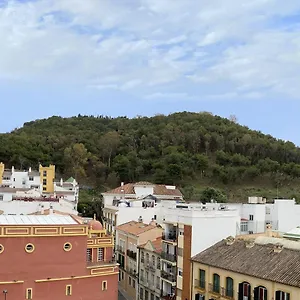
(216, 283)
(179, 272)
(14, 179)
(44, 181)
(155, 217)
(44, 173)
(147, 258)
(23, 182)
(142, 256)
(260, 293)
(68, 290)
(1, 197)
(100, 254)
(30, 178)
(88, 255)
(153, 260)
(129, 280)
(67, 247)
(1, 248)
(141, 294)
(244, 226)
(152, 296)
(251, 217)
(142, 275)
(133, 283)
(181, 232)
(244, 291)
(28, 294)
(158, 282)
(104, 285)
(29, 248)
(44, 189)
(282, 295)
(229, 287)
(158, 263)
(202, 279)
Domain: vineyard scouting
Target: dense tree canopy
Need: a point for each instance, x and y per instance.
(177, 149)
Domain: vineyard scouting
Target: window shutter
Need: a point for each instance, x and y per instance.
(265, 294)
(241, 291)
(256, 293)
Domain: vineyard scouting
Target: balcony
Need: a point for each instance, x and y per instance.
(169, 237)
(199, 284)
(101, 263)
(167, 296)
(149, 267)
(168, 256)
(131, 254)
(215, 289)
(131, 271)
(120, 249)
(227, 293)
(168, 276)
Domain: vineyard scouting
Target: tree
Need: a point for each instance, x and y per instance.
(109, 143)
(76, 157)
(209, 194)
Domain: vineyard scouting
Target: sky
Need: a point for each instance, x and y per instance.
(144, 57)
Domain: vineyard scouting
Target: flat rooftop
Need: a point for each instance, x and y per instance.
(37, 220)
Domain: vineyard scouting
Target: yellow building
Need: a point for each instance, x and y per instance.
(1, 171)
(47, 175)
(264, 268)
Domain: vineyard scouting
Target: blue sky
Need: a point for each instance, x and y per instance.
(143, 57)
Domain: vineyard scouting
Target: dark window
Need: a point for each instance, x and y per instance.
(30, 178)
(216, 283)
(244, 291)
(202, 279)
(251, 217)
(282, 295)
(44, 173)
(260, 293)
(44, 181)
(229, 287)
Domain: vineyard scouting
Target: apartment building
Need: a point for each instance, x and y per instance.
(129, 237)
(149, 270)
(144, 199)
(262, 268)
(55, 256)
(189, 229)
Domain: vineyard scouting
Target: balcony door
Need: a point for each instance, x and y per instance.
(244, 291)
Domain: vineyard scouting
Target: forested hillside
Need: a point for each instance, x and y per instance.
(192, 150)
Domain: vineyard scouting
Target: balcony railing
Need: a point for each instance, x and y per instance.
(168, 256)
(168, 276)
(200, 284)
(131, 271)
(120, 249)
(171, 237)
(131, 254)
(212, 288)
(228, 293)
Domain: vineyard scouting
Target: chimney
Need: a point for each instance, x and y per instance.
(269, 232)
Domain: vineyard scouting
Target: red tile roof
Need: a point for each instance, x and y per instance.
(159, 189)
(135, 228)
(157, 245)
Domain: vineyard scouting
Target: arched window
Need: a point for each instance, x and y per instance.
(229, 287)
(244, 291)
(142, 256)
(280, 295)
(260, 293)
(147, 258)
(216, 283)
(153, 261)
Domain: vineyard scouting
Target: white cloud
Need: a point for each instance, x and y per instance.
(150, 44)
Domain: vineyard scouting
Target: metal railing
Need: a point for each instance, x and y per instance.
(169, 237)
(168, 256)
(168, 276)
(199, 284)
(213, 288)
(228, 293)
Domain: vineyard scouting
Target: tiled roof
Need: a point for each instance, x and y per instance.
(135, 228)
(259, 261)
(157, 245)
(159, 189)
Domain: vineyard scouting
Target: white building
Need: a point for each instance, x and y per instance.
(142, 200)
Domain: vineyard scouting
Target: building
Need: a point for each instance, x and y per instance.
(26, 192)
(144, 199)
(265, 267)
(149, 270)
(49, 257)
(128, 237)
(188, 229)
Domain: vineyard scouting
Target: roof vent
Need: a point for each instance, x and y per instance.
(250, 243)
(278, 248)
(230, 240)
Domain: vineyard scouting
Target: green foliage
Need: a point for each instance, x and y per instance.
(185, 149)
(210, 193)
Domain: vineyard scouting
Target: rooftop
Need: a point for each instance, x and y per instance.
(279, 257)
(37, 220)
(156, 244)
(135, 228)
(159, 189)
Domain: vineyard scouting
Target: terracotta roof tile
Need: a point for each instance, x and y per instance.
(258, 261)
(157, 245)
(159, 189)
(135, 228)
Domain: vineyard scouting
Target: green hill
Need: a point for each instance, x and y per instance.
(192, 150)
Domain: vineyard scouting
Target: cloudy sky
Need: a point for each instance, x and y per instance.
(142, 57)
